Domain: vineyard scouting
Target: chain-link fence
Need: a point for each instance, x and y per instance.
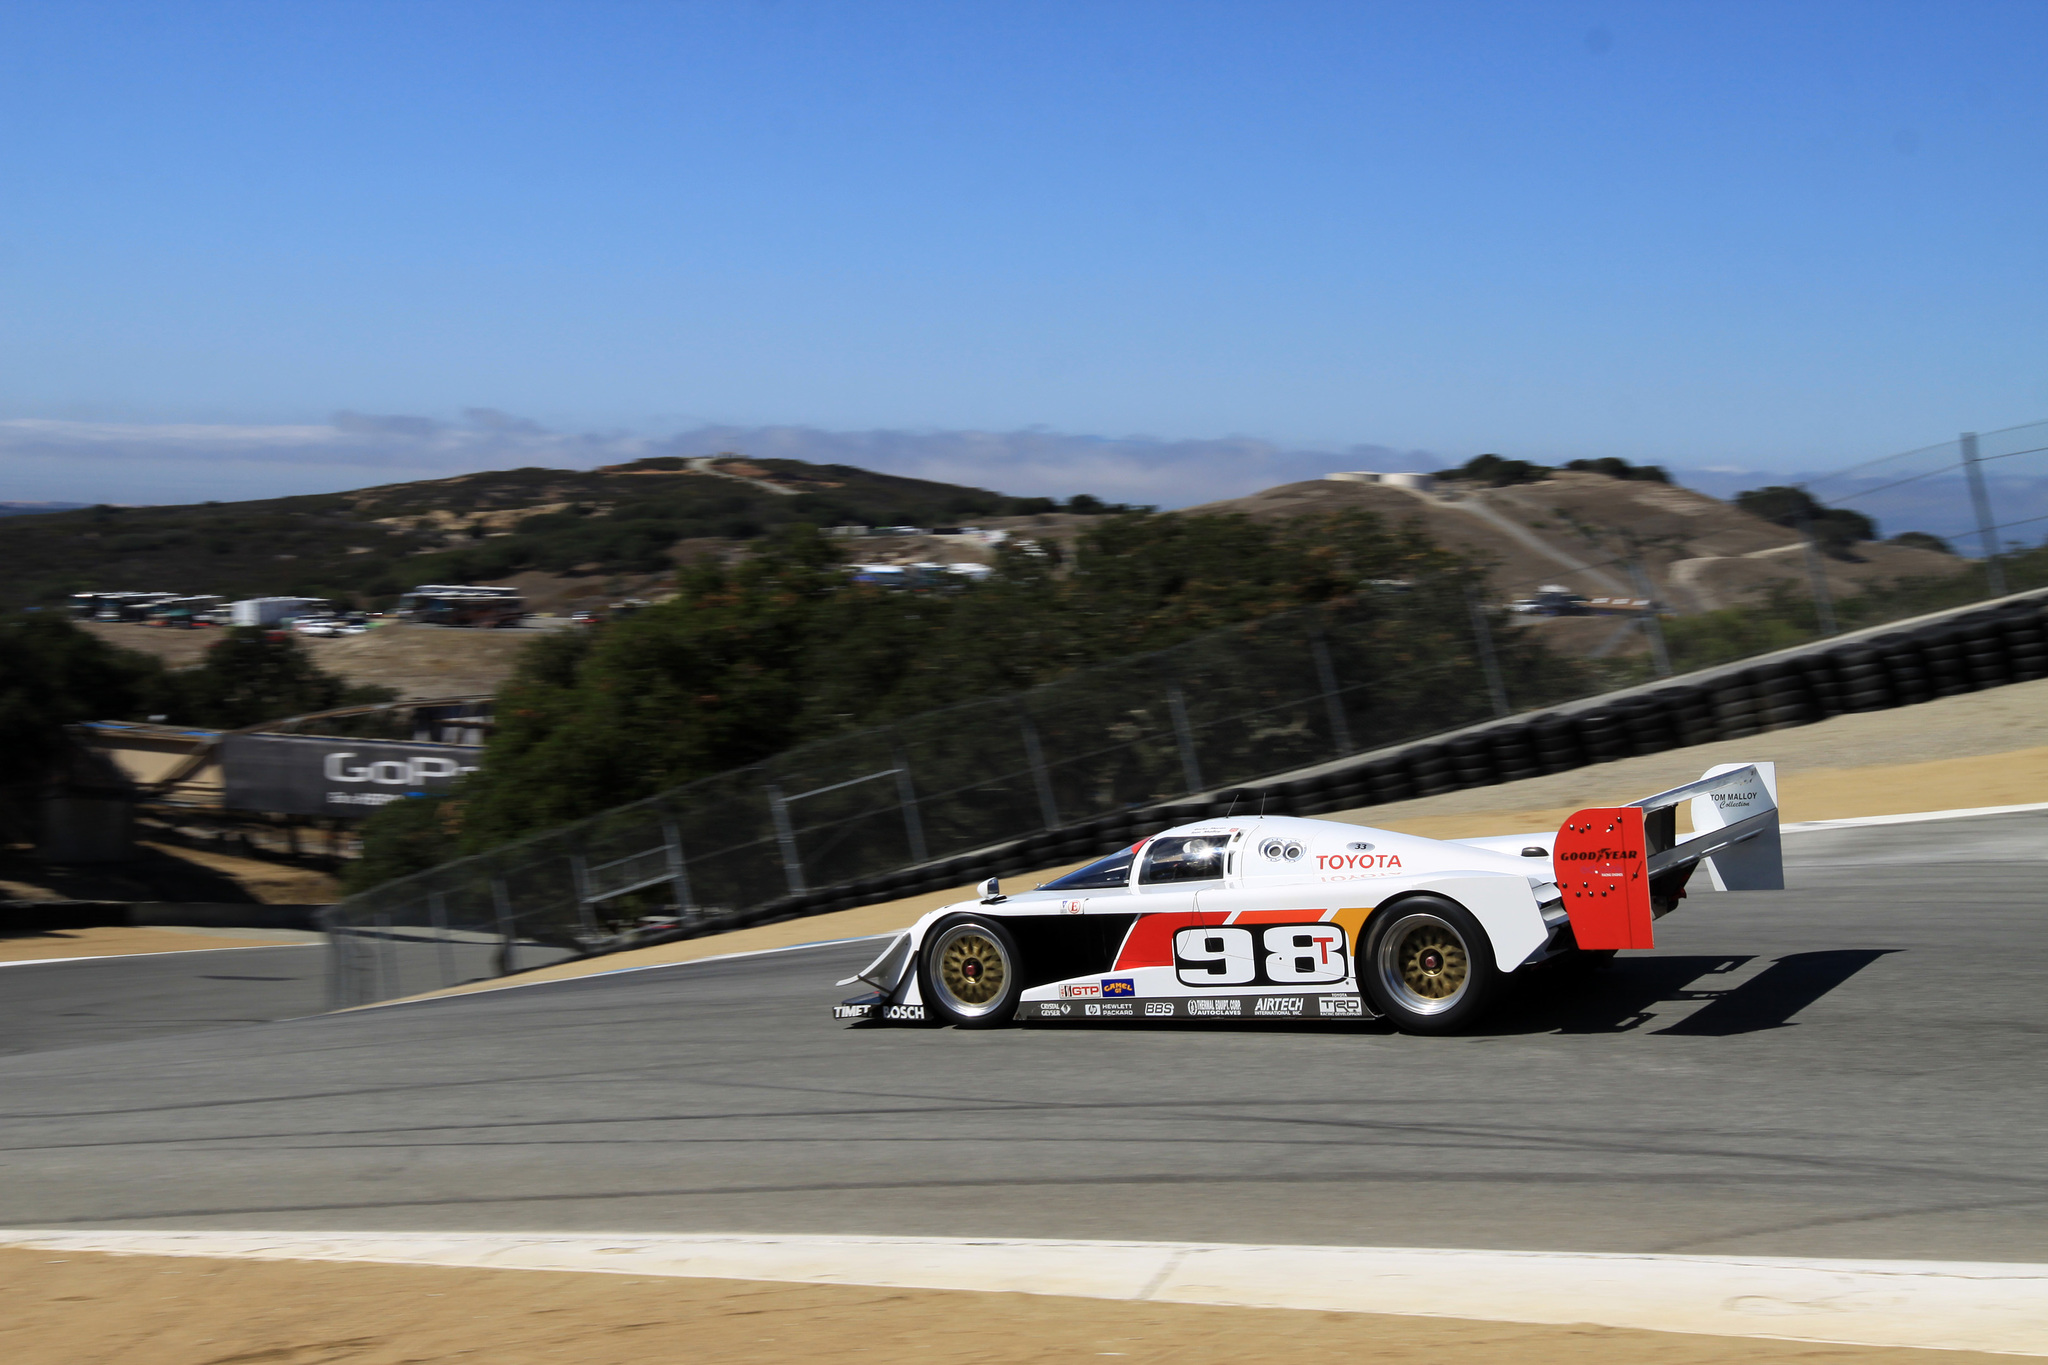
(1224, 709)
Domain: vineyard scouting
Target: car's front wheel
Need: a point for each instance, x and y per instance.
(1428, 966)
(969, 973)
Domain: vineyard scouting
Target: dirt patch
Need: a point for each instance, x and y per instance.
(424, 661)
(1978, 749)
(116, 941)
(160, 872)
(414, 661)
(79, 1308)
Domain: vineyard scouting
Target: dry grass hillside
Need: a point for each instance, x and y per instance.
(1700, 553)
(416, 661)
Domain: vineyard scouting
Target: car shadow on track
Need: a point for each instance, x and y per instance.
(1622, 998)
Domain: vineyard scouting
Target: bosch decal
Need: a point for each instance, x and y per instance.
(907, 1014)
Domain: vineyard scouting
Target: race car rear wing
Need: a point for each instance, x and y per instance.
(1622, 867)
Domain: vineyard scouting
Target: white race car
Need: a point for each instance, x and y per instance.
(1284, 918)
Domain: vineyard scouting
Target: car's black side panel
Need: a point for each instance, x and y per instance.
(1055, 947)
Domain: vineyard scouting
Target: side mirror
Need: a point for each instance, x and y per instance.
(989, 889)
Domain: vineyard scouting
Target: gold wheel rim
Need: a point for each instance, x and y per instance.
(1424, 964)
(971, 968)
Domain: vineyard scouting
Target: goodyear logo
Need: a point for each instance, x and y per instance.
(1122, 985)
(1605, 855)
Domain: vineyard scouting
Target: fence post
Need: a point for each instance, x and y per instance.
(1047, 807)
(387, 966)
(785, 836)
(678, 870)
(1191, 770)
(1653, 624)
(338, 971)
(906, 797)
(1980, 501)
(508, 926)
(1482, 636)
(579, 869)
(437, 906)
(1823, 598)
(1326, 677)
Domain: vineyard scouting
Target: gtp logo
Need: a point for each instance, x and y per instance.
(1120, 986)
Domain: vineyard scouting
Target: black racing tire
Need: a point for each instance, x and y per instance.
(969, 973)
(1428, 966)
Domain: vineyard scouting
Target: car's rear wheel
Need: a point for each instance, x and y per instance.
(1428, 966)
(969, 973)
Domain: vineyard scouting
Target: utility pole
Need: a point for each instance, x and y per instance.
(1980, 500)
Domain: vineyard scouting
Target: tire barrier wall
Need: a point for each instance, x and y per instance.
(474, 927)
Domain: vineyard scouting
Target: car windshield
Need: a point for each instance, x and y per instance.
(1195, 858)
(1101, 875)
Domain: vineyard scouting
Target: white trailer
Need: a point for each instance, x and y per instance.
(269, 611)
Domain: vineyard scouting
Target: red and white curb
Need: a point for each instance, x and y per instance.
(1946, 1305)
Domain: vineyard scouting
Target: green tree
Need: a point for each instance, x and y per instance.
(753, 657)
(1493, 471)
(250, 676)
(53, 674)
(1835, 529)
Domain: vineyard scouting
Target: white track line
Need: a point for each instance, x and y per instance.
(168, 952)
(1854, 821)
(1945, 1305)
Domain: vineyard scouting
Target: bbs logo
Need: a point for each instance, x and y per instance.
(1281, 955)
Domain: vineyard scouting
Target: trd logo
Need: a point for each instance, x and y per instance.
(1283, 955)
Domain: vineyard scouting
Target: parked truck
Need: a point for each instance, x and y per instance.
(272, 611)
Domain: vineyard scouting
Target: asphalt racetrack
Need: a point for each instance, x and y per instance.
(47, 1005)
(1852, 1067)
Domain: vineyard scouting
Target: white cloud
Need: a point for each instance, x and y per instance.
(103, 460)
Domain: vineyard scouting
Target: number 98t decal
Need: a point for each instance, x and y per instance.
(1283, 955)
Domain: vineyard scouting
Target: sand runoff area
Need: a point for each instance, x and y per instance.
(75, 1306)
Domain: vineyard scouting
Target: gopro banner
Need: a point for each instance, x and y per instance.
(308, 775)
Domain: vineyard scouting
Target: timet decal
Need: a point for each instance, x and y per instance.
(851, 1011)
(1122, 985)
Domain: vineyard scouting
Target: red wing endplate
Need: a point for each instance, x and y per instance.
(1602, 862)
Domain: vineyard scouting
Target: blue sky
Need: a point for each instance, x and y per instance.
(1779, 236)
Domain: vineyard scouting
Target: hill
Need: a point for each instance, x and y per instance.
(586, 534)
(1580, 529)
